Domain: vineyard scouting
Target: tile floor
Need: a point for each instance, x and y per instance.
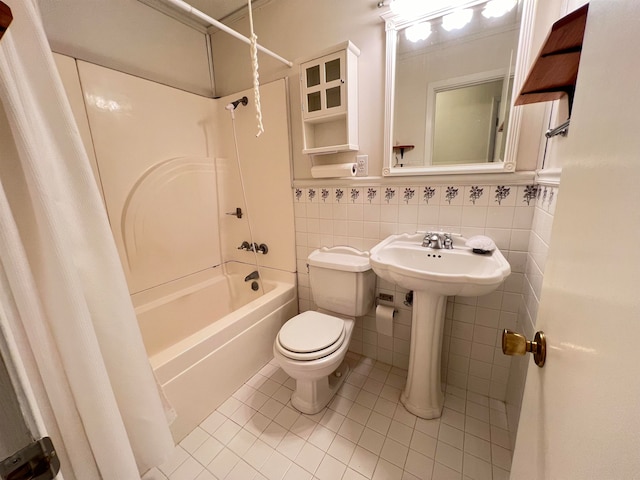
(364, 433)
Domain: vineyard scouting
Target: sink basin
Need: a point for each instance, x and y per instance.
(402, 259)
(433, 274)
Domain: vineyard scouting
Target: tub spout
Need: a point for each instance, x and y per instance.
(252, 276)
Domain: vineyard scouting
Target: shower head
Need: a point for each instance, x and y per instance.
(233, 105)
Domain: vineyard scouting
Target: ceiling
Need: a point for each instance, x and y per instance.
(221, 10)
(218, 9)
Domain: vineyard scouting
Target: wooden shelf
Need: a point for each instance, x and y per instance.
(555, 71)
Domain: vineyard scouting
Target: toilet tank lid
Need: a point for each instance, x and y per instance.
(343, 258)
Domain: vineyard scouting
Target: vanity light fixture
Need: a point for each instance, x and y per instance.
(498, 8)
(419, 31)
(409, 9)
(456, 20)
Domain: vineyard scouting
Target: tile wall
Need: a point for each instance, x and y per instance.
(539, 241)
(361, 216)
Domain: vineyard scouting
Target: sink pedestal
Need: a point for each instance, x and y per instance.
(423, 394)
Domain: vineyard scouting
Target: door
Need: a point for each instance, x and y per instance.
(581, 413)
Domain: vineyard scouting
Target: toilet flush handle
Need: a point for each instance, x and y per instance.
(516, 344)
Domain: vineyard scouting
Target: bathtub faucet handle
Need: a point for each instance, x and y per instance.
(245, 246)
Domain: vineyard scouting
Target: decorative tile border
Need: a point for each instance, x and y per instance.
(473, 195)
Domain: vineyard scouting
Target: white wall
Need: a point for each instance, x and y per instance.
(299, 28)
(329, 214)
(131, 37)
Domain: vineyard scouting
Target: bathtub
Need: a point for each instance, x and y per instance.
(208, 333)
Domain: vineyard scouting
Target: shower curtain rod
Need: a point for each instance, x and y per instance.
(185, 7)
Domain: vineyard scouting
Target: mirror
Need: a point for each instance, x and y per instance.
(450, 80)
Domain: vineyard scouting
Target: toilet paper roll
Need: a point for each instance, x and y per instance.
(384, 320)
(333, 171)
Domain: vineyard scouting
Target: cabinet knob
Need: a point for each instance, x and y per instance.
(516, 344)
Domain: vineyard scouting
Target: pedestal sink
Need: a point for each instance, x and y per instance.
(433, 274)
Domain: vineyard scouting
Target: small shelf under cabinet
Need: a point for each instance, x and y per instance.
(329, 96)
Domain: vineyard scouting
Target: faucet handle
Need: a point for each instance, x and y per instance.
(448, 241)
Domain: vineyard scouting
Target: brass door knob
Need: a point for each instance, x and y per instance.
(515, 344)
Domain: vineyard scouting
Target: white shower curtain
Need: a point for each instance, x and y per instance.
(63, 297)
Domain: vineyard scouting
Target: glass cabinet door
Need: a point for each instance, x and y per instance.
(324, 86)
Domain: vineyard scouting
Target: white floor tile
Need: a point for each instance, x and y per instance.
(430, 427)
(372, 441)
(478, 428)
(330, 469)
(364, 433)
(476, 468)
(283, 394)
(351, 430)
(423, 444)
(400, 433)
(225, 433)
(290, 445)
(178, 456)
(403, 416)
(442, 472)
(206, 452)
(241, 442)
(452, 436)
(287, 417)
(332, 420)
(500, 457)
(363, 461)
(213, 422)
(273, 434)
(223, 463)
(477, 447)
(449, 456)
(351, 474)
(303, 427)
(276, 466)
(242, 415)
(309, 457)
(205, 475)
(188, 470)
(419, 465)
(394, 452)
(386, 471)
(242, 471)
(296, 472)
(321, 437)
(379, 423)
(192, 441)
(258, 454)
(342, 449)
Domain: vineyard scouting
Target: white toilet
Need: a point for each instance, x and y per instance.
(311, 346)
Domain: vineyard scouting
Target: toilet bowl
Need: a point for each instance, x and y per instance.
(311, 346)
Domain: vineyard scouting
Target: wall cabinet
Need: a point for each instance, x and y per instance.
(329, 96)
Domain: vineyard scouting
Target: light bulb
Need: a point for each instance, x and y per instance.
(497, 8)
(457, 19)
(417, 32)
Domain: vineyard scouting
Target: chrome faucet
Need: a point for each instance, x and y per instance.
(437, 240)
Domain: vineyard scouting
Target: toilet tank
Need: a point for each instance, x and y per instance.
(341, 280)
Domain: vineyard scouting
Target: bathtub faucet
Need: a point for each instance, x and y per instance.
(252, 276)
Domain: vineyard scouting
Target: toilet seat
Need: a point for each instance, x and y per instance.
(310, 335)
